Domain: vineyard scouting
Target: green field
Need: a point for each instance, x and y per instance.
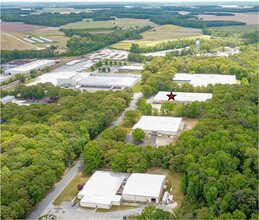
(71, 189)
(239, 28)
(120, 22)
(161, 34)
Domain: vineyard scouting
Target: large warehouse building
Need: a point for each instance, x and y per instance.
(101, 189)
(182, 97)
(35, 65)
(105, 188)
(142, 187)
(159, 125)
(109, 81)
(69, 79)
(204, 79)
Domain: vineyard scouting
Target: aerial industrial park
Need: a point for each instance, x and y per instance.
(129, 110)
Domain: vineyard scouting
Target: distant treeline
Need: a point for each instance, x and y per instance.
(88, 43)
(163, 15)
(7, 55)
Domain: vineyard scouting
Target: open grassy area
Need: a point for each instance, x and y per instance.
(137, 88)
(71, 189)
(174, 180)
(239, 28)
(161, 34)
(9, 43)
(120, 22)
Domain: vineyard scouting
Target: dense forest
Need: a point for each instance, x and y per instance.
(40, 140)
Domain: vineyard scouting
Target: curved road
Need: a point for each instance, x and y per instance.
(45, 205)
(132, 106)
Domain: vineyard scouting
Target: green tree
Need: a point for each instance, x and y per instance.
(150, 212)
(138, 134)
(132, 116)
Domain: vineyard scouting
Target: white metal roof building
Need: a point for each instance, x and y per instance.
(131, 68)
(109, 81)
(68, 78)
(38, 64)
(160, 125)
(204, 79)
(182, 97)
(142, 187)
(101, 189)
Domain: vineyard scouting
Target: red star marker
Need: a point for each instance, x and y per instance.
(171, 96)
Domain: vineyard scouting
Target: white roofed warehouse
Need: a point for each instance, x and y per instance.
(182, 97)
(142, 187)
(102, 190)
(204, 79)
(159, 125)
(35, 65)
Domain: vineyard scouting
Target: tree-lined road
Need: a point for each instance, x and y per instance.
(45, 205)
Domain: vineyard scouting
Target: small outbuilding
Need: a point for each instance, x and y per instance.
(141, 187)
(160, 125)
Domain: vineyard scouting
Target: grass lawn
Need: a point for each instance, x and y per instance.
(174, 181)
(120, 22)
(70, 191)
(137, 88)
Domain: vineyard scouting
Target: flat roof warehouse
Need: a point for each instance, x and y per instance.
(204, 79)
(182, 97)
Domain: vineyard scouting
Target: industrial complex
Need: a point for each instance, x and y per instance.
(159, 125)
(37, 65)
(105, 188)
(182, 97)
(204, 79)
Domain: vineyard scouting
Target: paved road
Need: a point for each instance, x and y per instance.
(65, 211)
(46, 204)
(132, 106)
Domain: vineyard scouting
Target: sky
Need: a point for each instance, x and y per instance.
(122, 1)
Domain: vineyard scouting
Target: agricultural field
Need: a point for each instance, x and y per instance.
(248, 18)
(120, 22)
(160, 35)
(10, 43)
(12, 34)
(239, 28)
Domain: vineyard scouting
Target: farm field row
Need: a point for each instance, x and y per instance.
(120, 22)
(20, 31)
(241, 28)
(248, 18)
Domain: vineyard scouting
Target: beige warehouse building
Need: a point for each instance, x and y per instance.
(141, 187)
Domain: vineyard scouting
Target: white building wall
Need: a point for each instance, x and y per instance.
(94, 205)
